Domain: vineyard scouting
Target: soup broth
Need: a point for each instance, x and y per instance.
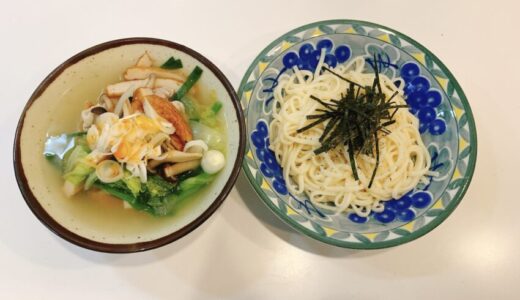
(95, 214)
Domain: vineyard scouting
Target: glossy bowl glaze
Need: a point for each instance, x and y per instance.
(433, 95)
(54, 108)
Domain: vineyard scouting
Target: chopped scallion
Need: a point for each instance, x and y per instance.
(190, 82)
(172, 63)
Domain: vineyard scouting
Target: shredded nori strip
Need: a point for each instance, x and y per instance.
(355, 119)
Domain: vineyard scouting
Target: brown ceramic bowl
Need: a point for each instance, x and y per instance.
(55, 107)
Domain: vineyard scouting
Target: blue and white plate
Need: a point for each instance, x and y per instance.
(434, 96)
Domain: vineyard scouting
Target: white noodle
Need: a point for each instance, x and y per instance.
(327, 178)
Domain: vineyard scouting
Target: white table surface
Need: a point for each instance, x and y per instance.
(243, 251)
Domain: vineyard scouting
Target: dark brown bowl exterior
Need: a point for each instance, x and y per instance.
(64, 233)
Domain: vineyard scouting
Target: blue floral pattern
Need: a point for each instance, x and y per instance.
(386, 56)
(307, 58)
(308, 55)
(445, 119)
(268, 166)
(272, 170)
(403, 209)
(422, 101)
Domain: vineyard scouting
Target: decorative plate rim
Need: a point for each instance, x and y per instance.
(375, 244)
(60, 230)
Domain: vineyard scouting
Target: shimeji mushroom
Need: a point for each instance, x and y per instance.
(174, 156)
(182, 167)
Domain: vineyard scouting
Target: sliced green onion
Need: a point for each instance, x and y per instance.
(172, 63)
(190, 82)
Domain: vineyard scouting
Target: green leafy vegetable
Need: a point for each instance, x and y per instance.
(69, 153)
(91, 179)
(191, 185)
(213, 138)
(191, 108)
(188, 84)
(149, 198)
(120, 190)
(209, 118)
(186, 189)
(156, 186)
(74, 156)
(76, 169)
(205, 114)
(216, 107)
(172, 63)
(209, 115)
(132, 183)
(157, 196)
(79, 173)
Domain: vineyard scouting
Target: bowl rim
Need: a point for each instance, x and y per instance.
(81, 241)
(373, 245)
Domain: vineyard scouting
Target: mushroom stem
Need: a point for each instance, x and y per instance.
(174, 156)
(182, 167)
